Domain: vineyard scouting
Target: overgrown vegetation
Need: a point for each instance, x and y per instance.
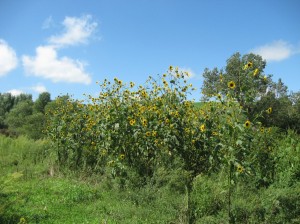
(146, 154)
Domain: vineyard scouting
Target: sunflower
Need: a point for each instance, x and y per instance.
(154, 133)
(219, 96)
(144, 122)
(122, 156)
(202, 128)
(132, 122)
(248, 65)
(262, 129)
(240, 169)
(247, 124)
(255, 72)
(269, 110)
(144, 94)
(148, 133)
(231, 85)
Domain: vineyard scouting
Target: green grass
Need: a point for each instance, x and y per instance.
(41, 198)
(27, 190)
(58, 200)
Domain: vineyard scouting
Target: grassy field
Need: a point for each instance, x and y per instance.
(34, 190)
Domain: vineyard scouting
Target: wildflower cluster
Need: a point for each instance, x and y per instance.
(138, 127)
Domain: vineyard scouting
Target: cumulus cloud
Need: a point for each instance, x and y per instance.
(8, 58)
(77, 31)
(39, 88)
(46, 64)
(15, 92)
(276, 51)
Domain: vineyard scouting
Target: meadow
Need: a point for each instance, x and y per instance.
(30, 193)
(147, 154)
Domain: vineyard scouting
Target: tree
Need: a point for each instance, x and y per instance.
(7, 102)
(16, 118)
(40, 104)
(243, 77)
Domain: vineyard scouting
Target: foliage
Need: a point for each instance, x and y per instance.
(139, 129)
(247, 79)
(7, 102)
(25, 117)
(42, 101)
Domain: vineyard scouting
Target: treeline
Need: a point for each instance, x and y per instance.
(20, 115)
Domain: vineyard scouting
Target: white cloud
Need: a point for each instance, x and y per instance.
(39, 88)
(8, 58)
(46, 64)
(276, 51)
(49, 22)
(15, 92)
(77, 31)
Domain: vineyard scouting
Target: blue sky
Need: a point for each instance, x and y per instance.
(65, 46)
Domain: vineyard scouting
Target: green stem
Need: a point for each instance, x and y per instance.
(229, 193)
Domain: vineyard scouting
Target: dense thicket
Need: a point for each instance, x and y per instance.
(20, 115)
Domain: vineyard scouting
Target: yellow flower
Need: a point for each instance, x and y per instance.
(122, 156)
(269, 110)
(144, 94)
(202, 128)
(240, 169)
(132, 122)
(171, 68)
(255, 72)
(248, 65)
(265, 78)
(262, 129)
(165, 82)
(144, 122)
(131, 84)
(247, 124)
(154, 133)
(219, 96)
(231, 85)
(214, 133)
(148, 133)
